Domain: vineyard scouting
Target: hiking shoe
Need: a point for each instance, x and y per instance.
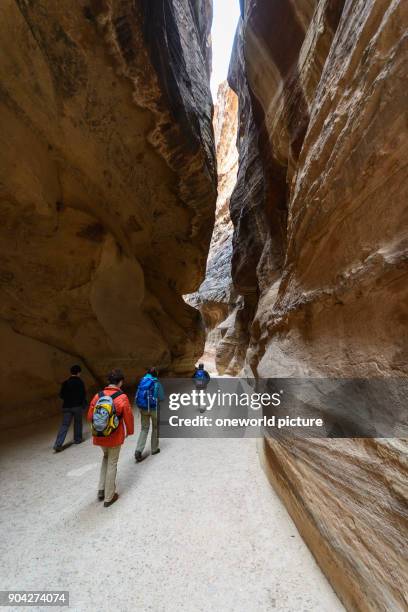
(138, 456)
(58, 449)
(112, 501)
(101, 495)
(156, 451)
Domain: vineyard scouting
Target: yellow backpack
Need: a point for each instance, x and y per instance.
(104, 418)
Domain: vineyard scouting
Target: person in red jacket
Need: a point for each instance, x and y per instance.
(112, 443)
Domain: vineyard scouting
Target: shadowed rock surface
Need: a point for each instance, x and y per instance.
(320, 258)
(108, 188)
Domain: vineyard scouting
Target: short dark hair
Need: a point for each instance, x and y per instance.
(153, 372)
(115, 376)
(75, 370)
(201, 366)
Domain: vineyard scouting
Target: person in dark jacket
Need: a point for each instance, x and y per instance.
(73, 395)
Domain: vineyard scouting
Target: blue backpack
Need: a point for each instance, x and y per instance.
(200, 375)
(201, 379)
(145, 399)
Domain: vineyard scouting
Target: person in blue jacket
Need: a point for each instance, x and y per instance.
(149, 394)
(201, 377)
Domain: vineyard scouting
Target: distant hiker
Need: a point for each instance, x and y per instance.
(201, 377)
(112, 420)
(73, 395)
(149, 394)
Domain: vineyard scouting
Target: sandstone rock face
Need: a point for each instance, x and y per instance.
(320, 258)
(250, 224)
(216, 298)
(107, 189)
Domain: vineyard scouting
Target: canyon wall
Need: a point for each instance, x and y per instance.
(107, 190)
(320, 260)
(216, 298)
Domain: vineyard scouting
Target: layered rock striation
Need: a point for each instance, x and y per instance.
(107, 190)
(320, 260)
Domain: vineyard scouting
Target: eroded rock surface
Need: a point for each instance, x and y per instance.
(320, 258)
(108, 189)
(216, 299)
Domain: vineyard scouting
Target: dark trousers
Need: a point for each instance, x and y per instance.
(67, 416)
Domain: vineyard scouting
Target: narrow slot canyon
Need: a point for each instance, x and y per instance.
(261, 231)
(216, 298)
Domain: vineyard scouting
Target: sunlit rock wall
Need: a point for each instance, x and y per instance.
(320, 258)
(107, 190)
(216, 298)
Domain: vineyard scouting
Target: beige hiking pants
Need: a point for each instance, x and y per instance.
(146, 417)
(107, 478)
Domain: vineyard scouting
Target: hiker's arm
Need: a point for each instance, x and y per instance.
(128, 417)
(160, 392)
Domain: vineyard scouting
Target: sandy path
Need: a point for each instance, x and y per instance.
(197, 527)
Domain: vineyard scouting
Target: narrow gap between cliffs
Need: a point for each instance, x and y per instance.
(215, 298)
